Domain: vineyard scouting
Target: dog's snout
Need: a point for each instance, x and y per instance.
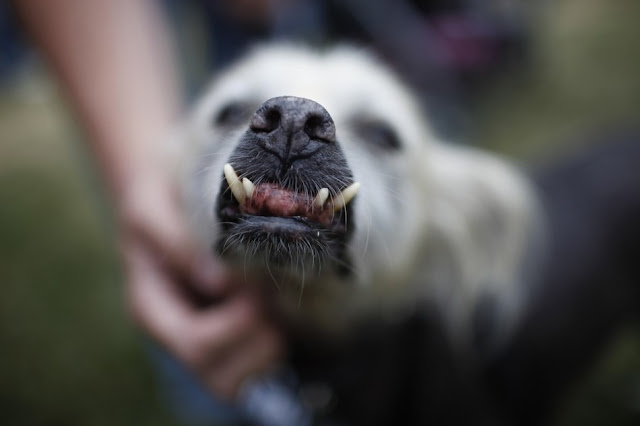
(292, 127)
(292, 142)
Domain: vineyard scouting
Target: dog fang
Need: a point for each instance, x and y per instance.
(347, 194)
(321, 198)
(237, 188)
(248, 186)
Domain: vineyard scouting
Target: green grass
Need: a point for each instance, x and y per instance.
(68, 354)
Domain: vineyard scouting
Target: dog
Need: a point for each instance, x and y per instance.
(403, 267)
(321, 170)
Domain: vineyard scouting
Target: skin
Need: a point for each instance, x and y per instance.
(115, 63)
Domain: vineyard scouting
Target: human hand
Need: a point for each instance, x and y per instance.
(223, 343)
(115, 62)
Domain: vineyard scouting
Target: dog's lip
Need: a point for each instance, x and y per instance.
(281, 209)
(291, 226)
(234, 213)
(240, 200)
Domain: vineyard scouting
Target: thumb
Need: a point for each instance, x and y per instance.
(152, 214)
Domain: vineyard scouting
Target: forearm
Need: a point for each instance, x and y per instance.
(114, 59)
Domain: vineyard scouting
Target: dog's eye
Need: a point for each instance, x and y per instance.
(232, 114)
(380, 134)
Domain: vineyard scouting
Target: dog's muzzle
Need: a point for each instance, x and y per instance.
(286, 194)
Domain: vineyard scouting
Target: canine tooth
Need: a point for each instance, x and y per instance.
(320, 199)
(347, 194)
(248, 186)
(234, 183)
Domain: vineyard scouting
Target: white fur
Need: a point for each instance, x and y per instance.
(433, 222)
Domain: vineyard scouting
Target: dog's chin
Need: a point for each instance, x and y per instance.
(295, 246)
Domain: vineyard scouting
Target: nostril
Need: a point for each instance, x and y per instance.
(265, 120)
(319, 128)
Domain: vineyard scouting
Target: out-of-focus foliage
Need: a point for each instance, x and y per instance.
(68, 355)
(583, 73)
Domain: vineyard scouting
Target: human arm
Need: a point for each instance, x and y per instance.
(115, 64)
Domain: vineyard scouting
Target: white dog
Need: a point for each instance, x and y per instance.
(429, 222)
(320, 171)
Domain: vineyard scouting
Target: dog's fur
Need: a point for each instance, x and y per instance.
(423, 307)
(445, 234)
(432, 222)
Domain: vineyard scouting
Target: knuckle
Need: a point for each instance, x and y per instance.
(196, 353)
(275, 348)
(225, 388)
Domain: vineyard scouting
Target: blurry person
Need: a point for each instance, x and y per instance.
(115, 63)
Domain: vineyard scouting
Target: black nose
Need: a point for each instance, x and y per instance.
(292, 128)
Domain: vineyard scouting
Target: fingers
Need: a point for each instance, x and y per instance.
(152, 214)
(223, 344)
(230, 344)
(165, 310)
(155, 303)
(217, 331)
(250, 357)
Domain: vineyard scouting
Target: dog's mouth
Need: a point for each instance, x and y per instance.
(283, 226)
(273, 200)
(296, 216)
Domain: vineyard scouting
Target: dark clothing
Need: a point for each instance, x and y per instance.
(589, 288)
(591, 283)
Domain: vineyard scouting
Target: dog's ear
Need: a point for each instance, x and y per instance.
(488, 221)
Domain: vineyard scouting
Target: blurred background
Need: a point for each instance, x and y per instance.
(531, 83)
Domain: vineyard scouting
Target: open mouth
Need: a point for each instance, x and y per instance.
(282, 224)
